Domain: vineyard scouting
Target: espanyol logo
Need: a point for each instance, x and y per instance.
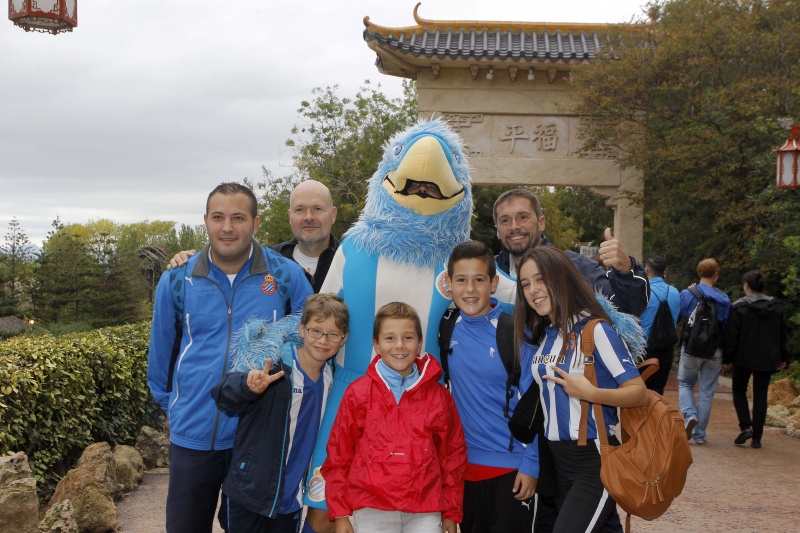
(269, 286)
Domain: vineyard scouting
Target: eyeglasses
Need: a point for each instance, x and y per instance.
(318, 334)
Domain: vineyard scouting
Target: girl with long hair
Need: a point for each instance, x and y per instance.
(554, 303)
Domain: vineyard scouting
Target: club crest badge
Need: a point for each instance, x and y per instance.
(269, 286)
(316, 487)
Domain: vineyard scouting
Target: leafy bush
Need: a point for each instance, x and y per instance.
(59, 394)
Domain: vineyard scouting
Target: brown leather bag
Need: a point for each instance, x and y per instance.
(648, 470)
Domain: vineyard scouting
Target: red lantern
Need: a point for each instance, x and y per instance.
(788, 161)
(46, 16)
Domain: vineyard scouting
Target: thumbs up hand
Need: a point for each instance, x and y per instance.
(612, 254)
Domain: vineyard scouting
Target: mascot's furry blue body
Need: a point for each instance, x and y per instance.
(397, 251)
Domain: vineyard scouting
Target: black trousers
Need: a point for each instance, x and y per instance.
(490, 507)
(739, 380)
(241, 520)
(195, 479)
(583, 503)
(658, 381)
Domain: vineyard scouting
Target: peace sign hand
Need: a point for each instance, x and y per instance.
(574, 385)
(259, 380)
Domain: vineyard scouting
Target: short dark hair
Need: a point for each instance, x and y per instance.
(231, 188)
(472, 250)
(400, 310)
(518, 193)
(657, 265)
(755, 279)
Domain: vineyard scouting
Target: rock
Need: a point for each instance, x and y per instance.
(19, 504)
(782, 392)
(795, 403)
(130, 467)
(776, 416)
(98, 459)
(59, 519)
(793, 425)
(93, 507)
(154, 447)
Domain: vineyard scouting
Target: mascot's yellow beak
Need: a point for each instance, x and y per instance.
(424, 182)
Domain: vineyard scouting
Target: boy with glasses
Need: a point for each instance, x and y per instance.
(280, 405)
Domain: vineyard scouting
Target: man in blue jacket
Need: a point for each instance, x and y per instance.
(693, 368)
(660, 291)
(198, 309)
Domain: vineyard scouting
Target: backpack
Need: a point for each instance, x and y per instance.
(648, 470)
(701, 333)
(663, 334)
(177, 284)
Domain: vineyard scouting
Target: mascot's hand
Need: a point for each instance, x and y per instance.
(612, 254)
(259, 380)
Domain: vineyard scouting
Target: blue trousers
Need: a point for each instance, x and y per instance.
(195, 479)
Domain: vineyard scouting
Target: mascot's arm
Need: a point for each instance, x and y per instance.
(342, 442)
(453, 458)
(333, 280)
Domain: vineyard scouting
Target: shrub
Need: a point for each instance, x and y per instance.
(59, 394)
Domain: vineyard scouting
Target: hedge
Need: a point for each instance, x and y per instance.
(60, 394)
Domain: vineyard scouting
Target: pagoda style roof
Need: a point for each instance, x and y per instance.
(404, 51)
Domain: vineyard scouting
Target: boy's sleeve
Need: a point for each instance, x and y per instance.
(162, 340)
(232, 393)
(530, 459)
(631, 289)
(341, 450)
(453, 462)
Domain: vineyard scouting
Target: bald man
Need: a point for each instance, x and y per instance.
(311, 215)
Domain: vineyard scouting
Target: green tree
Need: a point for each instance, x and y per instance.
(339, 141)
(15, 255)
(692, 97)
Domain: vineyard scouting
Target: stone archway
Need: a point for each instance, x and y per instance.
(504, 87)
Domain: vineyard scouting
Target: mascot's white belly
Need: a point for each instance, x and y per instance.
(366, 282)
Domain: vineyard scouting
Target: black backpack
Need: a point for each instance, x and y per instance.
(701, 334)
(663, 334)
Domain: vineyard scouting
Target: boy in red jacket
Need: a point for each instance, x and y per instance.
(396, 453)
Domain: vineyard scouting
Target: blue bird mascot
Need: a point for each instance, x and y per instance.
(418, 208)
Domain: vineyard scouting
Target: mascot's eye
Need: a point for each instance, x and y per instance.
(457, 158)
(398, 149)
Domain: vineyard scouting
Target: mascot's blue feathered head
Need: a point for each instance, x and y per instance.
(419, 202)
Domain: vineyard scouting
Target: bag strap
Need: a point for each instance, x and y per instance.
(504, 339)
(587, 349)
(697, 293)
(446, 326)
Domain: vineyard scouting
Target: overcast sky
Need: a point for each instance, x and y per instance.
(148, 105)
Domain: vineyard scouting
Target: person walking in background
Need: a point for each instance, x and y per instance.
(701, 347)
(755, 343)
(659, 348)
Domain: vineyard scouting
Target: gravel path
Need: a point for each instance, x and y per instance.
(729, 488)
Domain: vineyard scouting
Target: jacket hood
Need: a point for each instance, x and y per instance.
(713, 293)
(761, 304)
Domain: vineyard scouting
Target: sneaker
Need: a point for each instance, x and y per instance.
(743, 437)
(690, 424)
(700, 441)
(756, 443)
